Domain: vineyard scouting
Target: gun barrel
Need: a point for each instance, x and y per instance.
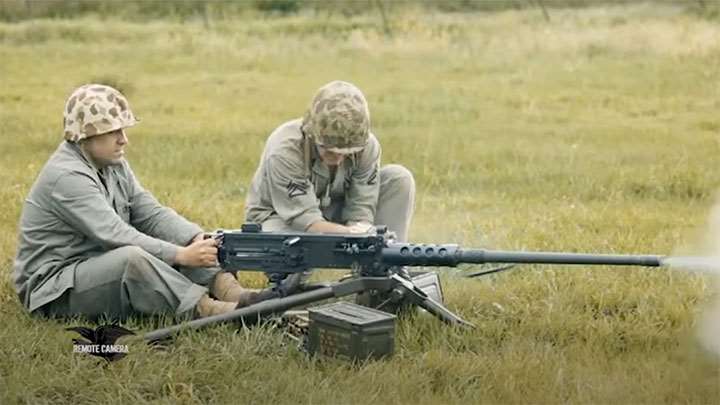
(409, 254)
(499, 256)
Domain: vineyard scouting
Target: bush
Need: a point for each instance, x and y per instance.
(279, 6)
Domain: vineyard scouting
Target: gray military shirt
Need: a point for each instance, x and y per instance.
(283, 186)
(74, 212)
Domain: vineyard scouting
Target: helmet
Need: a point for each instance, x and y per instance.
(338, 118)
(95, 109)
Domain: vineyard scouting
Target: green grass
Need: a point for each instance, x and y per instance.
(595, 132)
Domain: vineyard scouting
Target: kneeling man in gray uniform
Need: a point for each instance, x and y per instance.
(94, 242)
(322, 173)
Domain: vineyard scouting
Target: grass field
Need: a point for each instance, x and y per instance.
(598, 131)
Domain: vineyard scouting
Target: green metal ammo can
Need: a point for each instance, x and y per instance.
(350, 331)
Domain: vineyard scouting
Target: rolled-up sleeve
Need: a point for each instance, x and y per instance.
(362, 194)
(80, 203)
(293, 196)
(154, 219)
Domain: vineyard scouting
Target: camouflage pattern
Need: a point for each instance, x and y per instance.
(95, 109)
(338, 118)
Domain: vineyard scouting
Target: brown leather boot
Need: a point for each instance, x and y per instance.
(208, 307)
(226, 288)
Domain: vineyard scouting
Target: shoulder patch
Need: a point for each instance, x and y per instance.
(297, 189)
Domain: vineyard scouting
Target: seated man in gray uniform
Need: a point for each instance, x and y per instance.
(322, 173)
(94, 242)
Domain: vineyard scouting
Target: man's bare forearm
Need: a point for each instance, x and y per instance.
(327, 227)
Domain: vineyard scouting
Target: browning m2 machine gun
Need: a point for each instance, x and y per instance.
(379, 277)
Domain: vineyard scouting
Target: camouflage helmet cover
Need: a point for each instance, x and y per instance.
(95, 109)
(338, 118)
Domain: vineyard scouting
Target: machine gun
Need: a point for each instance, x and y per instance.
(378, 269)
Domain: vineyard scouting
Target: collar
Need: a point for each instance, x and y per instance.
(75, 148)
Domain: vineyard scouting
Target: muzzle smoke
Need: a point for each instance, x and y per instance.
(708, 263)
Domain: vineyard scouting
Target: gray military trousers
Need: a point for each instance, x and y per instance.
(129, 281)
(395, 205)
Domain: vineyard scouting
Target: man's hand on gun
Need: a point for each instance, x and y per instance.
(361, 227)
(369, 229)
(200, 253)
